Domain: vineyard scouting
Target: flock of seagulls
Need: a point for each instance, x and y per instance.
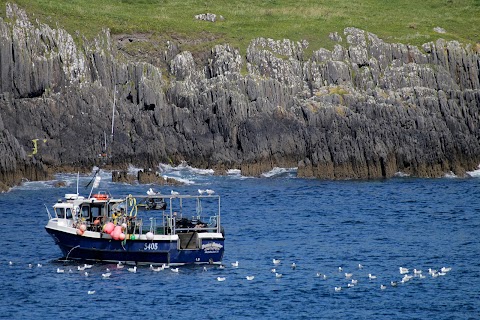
(405, 274)
(176, 193)
(351, 277)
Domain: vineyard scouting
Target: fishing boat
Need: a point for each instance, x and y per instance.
(173, 229)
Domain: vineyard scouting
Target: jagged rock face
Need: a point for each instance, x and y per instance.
(365, 109)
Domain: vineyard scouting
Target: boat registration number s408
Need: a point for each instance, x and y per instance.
(150, 246)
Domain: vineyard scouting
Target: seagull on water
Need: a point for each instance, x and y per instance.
(273, 270)
(235, 264)
(86, 274)
(294, 266)
(278, 275)
(221, 278)
(393, 283)
(174, 270)
(30, 265)
(106, 275)
(417, 272)
(350, 285)
(133, 270)
(383, 287)
(60, 270)
(406, 278)
(250, 278)
(354, 281)
(10, 263)
(360, 266)
(119, 265)
(445, 269)
(91, 292)
(340, 269)
(39, 265)
(338, 289)
(348, 275)
(403, 270)
(371, 277)
(276, 261)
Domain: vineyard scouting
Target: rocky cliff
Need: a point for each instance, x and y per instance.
(365, 109)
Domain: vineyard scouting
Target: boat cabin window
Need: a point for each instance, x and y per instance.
(96, 211)
(85, 212)
(68, 213)
(60, 212)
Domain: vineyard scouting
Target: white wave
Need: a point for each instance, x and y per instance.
(234, 172)
(132, 170)
(184, 167)
(279, 172)
(474, 174)
(450, 175)
(400, 174)
(182, 180)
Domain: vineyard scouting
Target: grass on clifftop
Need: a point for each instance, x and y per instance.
(410, 22)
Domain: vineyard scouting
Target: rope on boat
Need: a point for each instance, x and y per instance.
(132, 202)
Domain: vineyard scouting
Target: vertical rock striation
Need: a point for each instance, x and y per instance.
(365, 109)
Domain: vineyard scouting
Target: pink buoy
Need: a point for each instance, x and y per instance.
(83, 227)
(108, 228)
(121, 237)
(79, 232)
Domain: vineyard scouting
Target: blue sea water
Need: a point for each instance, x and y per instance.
(318, 225)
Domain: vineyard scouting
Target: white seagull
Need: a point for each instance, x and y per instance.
(150, 192)
(221, 278)
(276, 261)
(294, 266)
(106, 275)
(201, 191)
(91, 292)
(133, 270)
(371, 277)
(383, 287)
(235, 264)
(39, 265)
(119, 265)
(278, 275)
(250, 278)
(338, 289)
(348, 275)
(445, 269)
(174, 270)
(360, 266)
(209, 192)
(174, 193)
(403, 270)
(60, 270)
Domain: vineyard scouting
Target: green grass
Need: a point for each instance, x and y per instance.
(409, 22)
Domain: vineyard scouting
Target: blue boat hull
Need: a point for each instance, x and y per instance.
(137, 251)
